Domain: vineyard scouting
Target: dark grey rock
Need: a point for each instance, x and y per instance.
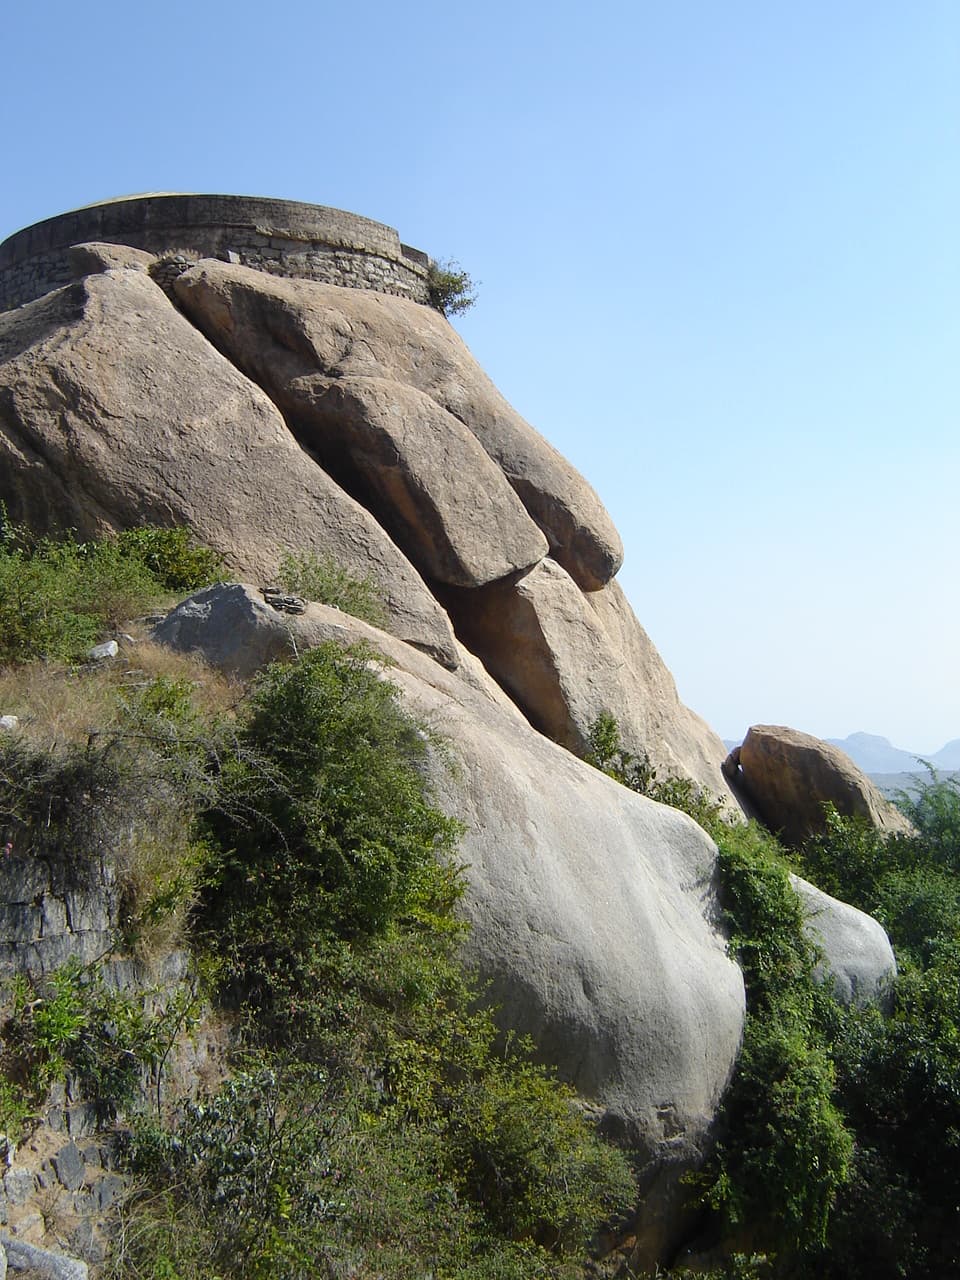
(42, 1262)
(68, 1163)
(107, 1189)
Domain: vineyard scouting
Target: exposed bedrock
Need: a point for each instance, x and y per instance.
(593, 910)
(280, 331)
(115, 411)
(788, 777)
(565, 656)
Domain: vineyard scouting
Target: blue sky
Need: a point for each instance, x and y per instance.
(719, 259)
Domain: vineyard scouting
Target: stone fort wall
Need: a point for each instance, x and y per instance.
(282, 237)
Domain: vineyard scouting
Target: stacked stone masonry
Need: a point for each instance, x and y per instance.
(46, 921)
(281, 237)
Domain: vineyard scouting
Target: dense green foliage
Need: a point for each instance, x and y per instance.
(57, 596)
(838, 1142)
(317, 578)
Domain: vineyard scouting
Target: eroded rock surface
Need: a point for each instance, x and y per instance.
(858, 960)
(593, 910)
(115, 411)
(284, 333)
(788, 777)
(565, 656)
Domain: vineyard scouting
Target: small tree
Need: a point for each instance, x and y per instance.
(452, 291)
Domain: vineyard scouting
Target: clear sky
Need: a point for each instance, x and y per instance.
(719, 255)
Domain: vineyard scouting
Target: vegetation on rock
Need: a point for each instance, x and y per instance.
(373, 1122)
(837, 1141)
(451, 289)
(317, 578)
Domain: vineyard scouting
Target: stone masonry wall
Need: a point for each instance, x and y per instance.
(282, 237)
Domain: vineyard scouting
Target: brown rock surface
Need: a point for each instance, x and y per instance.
(280, 330)
(89, 259)
(565, 656)
(788, 776)
(420, 472)
(172, 433)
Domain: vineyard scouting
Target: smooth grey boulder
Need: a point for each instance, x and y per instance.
(788, 777)
(858, 960)
(565, 656)
(594, 912)
(279, 331)
(172, 433)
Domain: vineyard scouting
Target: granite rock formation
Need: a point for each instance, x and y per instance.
(787, 777)
(593, 910)
(351, 424)
(857, 958)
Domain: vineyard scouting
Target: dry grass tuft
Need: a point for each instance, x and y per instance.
(58, 704)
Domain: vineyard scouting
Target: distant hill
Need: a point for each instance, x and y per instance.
(874, 754)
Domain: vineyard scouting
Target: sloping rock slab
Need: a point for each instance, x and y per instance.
(565, 656)
(789, 776)
(280, 330)
(858, 960)
(115, 411)
(421, 473)
(593, 911)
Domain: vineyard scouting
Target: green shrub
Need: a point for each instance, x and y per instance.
(173, 557)
(71, 1023)
(606, 752)
(934, 809)
(450, 288)
(322, 580)
(57, 596)
(335, 833)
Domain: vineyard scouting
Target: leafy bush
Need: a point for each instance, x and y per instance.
(322, 580)
(71, 1023)
(450, 288)
(330, 908)
(173, 557)
(606, 752)
(57, 596)
(783, 1150)
(335, 833)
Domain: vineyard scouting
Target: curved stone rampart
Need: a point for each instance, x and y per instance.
(282, 237)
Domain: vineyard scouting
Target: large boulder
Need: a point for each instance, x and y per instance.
(594, 911)
(421, 473)
(565, 656)
(857, 958)
(284, 333)
(787, 777)
(115, 411)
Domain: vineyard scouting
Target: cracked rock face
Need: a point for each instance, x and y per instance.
(115, 411)
(277, 416)
(282, 333)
